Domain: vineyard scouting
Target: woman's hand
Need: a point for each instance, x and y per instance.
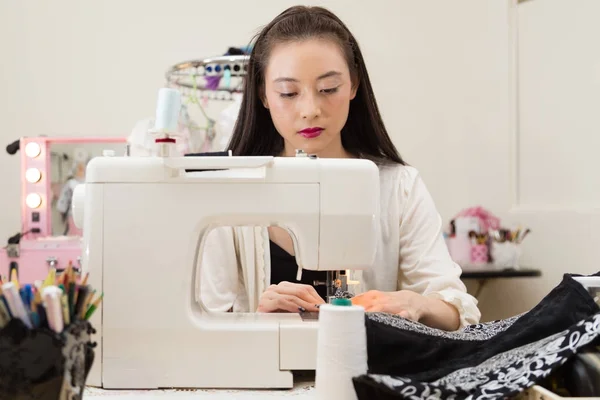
(404, 303)
(410, 305)
(290, 297)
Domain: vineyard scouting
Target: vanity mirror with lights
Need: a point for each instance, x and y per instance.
(51, 168)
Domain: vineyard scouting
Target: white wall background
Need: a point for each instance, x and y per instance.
(443, 72)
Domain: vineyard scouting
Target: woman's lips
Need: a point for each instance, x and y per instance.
(310, 133)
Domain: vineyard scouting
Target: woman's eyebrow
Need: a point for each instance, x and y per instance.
(325, 75)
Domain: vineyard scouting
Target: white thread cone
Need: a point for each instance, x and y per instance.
(341, 351)
(168, 108)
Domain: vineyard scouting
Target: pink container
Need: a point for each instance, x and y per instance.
(479, 254)
(460, 249)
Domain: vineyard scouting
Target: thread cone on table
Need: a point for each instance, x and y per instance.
(341, 351)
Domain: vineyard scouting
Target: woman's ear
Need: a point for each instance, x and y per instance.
(354, 90)
(263, 98)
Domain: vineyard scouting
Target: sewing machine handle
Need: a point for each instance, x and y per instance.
(217, 163)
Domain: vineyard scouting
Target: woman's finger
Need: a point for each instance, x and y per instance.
(374, 308)
(407, 314)
(267, 302)
(287, 304)
(366, 298)
(276, 302)
(301, 304)
(304, 292)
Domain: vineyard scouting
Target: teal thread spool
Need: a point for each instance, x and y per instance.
(340, 301)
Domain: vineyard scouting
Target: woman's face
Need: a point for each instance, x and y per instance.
(308, 91)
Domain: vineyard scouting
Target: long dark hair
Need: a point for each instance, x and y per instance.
(364, 133)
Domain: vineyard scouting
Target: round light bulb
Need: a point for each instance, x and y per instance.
(33, 149)
(33, 175)
(33, 200)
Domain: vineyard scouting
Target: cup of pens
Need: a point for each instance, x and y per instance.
(46, 350)
(505, 249)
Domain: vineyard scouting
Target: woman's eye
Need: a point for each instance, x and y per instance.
(329, 91)
(287, 95)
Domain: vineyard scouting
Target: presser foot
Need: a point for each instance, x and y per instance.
(337, 285)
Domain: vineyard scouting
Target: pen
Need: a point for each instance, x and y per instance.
(4, 315)
(93, 307)
(86, 304)
(81, 299)
(35, 318)
(64, 305)
(71, 297)
(15, 303)
(525, 233)
(41, 311)
(4, 303)
(85, 279)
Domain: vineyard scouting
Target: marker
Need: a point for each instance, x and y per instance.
(26, 295)
(15, 303)
(52, 296)
(14, 279)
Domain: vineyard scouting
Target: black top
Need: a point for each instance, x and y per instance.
(284, 269)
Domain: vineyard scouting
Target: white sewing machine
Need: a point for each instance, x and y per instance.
(145, 220)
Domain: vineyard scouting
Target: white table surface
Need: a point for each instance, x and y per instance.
(303, 390)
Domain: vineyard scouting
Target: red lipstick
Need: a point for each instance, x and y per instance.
(311, 132)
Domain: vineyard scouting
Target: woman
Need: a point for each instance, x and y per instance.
(308, 88)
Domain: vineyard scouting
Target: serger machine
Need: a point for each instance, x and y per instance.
(145, 221)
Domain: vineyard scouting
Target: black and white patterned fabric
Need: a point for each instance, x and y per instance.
(501, 376)
(481, 331)
(408, 360)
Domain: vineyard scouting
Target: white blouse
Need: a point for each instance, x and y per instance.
(411, 254)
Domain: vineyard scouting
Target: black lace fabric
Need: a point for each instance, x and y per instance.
(408, 360)
(40, 364)
(344, 294)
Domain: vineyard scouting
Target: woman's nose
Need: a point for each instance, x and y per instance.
(309, 106)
